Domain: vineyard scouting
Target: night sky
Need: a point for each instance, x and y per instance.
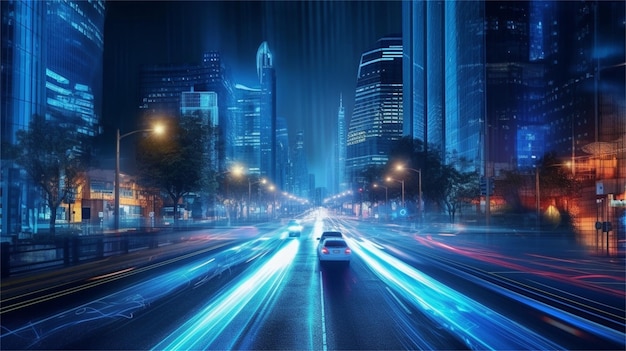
(316, 47)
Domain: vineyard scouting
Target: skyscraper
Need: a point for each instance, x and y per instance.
(377, 116)
(282, 154)
(342, 182)
(246, 128)
(444, 104)
(203, 105)
(51, 66)
(301, 184)
(267, 79)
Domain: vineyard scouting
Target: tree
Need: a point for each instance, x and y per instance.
(461, 188)
(554, 179)
(179, 162)
(49, 153)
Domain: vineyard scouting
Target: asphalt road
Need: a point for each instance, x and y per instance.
(258, 289)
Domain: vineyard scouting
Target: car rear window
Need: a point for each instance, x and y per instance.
(333, 234)
(335, 243)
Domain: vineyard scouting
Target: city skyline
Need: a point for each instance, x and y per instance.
(316, 54)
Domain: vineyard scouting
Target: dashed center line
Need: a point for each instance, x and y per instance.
(324, 344)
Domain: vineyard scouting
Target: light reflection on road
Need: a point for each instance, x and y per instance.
(201, 330)
(125, 303)
(480, 327)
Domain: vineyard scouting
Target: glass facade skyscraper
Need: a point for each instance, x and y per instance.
(246, 128)
(341, 148)
(443, 81)
(51, 66)
(267, 80)
(377, 116)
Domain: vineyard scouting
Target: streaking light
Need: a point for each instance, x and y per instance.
(201, 331)
(480, 327)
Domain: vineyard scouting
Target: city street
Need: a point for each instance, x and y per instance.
(256, 288)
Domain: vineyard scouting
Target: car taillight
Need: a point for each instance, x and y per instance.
(324, 250)
(348, 251)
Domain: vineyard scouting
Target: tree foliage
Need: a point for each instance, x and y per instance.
(555, 179)
(49, 153)
(178, 163)
(461, 188)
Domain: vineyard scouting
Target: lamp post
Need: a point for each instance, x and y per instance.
(386, 197)
(272, 188)
(389, 179)
(262, 181)
(419, 184)
(158, 129)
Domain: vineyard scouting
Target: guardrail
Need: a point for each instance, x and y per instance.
(24, 257)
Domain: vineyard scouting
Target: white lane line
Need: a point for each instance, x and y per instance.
(324, 345)
(406, 309)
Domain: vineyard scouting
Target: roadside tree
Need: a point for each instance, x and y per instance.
(55, 157)
(179, 165)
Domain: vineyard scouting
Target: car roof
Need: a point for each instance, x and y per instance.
(331, 233)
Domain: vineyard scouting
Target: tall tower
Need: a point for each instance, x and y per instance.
(377, 117)
(300, 169)
(341, 147)
(246, 127)
(444, 79)
(267, 78)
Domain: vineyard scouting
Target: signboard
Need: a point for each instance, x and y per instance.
(617, 203)
(599, 188)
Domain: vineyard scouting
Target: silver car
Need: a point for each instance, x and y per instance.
(334, 249)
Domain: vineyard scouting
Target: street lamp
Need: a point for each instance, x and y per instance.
(389, 179)
(158, 129)
(419, 183)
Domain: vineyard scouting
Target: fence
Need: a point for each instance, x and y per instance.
(24, 257)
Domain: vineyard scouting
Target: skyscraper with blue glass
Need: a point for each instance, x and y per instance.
(51, 66)
(444, 80)
(267, 79)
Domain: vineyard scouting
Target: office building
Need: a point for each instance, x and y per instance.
(444, 79)
(246, 128)
(377, 116)
(301, 184)
(40, 76)
(342, 135)
(267, 80)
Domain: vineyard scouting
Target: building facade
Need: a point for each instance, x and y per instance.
(377, 116)
(342, 136)
(51, 66)
(444, 79)
(267, 81)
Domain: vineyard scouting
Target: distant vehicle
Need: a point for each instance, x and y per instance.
(327, 234)
(334, 249)
(294, 227)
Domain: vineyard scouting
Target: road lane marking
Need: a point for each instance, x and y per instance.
(324, 345)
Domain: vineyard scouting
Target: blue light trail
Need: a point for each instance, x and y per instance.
(202, 330)
(480, 327)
